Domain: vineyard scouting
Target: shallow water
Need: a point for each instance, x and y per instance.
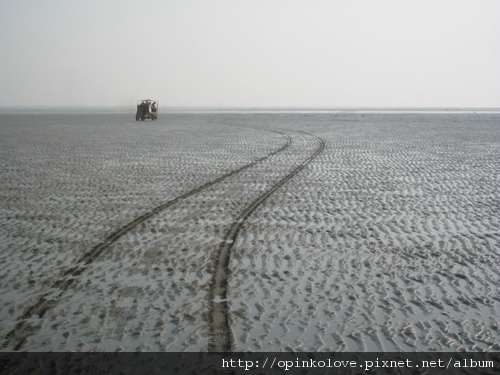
(387, 241)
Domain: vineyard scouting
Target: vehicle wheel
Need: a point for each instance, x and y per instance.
(137, 117)
(142, 118)
(153, 118)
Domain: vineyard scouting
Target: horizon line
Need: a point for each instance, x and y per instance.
(256, 107)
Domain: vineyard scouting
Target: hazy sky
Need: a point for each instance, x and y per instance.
(314, 53)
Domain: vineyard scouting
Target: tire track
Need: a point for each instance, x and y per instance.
(23, 328)
(218, 309)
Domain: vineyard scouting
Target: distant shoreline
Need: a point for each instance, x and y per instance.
(200, 109)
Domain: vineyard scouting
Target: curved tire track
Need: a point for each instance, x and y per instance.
(218, 309)
(23, 328)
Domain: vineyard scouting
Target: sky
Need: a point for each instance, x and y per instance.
(250, 53)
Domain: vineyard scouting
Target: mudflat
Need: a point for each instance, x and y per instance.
(250, 232)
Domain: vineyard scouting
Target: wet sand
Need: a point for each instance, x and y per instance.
(387, 240)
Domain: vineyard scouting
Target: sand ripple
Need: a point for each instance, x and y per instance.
(387, 241)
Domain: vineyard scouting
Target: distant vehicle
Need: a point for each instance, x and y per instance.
(146, 108)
